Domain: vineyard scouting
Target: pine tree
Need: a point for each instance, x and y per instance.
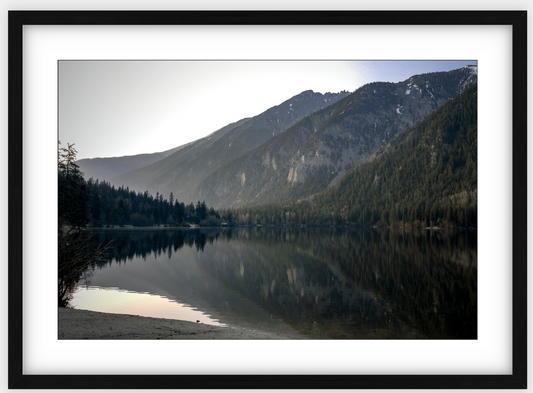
(76, 251)
(95, 209)
(73, 195)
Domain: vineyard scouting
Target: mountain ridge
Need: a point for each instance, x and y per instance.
(107, 168)
(181, 172)
(316, 152)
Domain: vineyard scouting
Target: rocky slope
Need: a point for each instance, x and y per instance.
(182, 172)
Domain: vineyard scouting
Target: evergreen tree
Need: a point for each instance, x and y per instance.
(201, 210)
(95, 209)
(76, 251)
(73, 194)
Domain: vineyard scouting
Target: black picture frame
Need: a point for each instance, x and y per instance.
(516, 19)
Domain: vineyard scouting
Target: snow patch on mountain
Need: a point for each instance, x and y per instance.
(470, 79)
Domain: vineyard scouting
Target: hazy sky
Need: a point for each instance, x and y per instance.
(118, 108)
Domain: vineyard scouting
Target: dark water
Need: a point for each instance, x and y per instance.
(316, 282)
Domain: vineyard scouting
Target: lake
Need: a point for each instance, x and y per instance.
(320, 283)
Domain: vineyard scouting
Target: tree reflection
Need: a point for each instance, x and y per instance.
(130, 244)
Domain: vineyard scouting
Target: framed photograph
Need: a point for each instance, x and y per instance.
(59, 60)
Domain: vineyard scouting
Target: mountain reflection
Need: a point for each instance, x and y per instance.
(323, 283)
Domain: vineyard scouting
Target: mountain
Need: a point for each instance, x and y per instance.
(182, 172)
(425, 176)
(316, 152)
(111, 167)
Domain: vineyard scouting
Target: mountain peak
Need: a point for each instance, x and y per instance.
(473, 68)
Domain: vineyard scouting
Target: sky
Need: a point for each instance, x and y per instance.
(120, 108)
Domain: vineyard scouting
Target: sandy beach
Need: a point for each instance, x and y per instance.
(89, 325)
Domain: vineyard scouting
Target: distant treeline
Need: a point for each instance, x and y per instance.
(121, 206)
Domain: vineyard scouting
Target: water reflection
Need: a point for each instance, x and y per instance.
(117, 301)
(321, 283)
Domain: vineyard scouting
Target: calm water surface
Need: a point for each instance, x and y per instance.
(316, 282)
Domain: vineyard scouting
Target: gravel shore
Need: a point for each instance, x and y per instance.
(81, 325)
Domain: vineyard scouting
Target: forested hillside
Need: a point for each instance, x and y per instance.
(424, 177)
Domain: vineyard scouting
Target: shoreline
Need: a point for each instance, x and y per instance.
(74, 324)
